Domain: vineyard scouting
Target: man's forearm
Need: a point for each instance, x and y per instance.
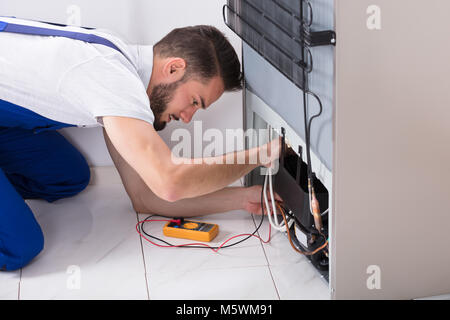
(198, 177)
(145, 201)
(195, 179)
(227, 199)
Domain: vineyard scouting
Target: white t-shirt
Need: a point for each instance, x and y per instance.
(72, 81)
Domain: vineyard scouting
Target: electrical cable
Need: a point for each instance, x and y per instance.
(307, 139)
(307, 124)
(140, 230)
(314, 209)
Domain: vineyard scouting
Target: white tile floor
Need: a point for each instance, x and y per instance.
(92, 251)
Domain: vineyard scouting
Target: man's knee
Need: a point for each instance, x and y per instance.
(79, 174)
(31, 249)
(21, 251)
(73, 180)
(70, 172)
(54, 170)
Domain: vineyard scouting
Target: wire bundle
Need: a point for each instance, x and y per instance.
(272, 212)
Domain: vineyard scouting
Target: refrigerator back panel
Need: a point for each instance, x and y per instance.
(279, 82)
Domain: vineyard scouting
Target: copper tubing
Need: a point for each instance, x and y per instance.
(307, 253)
(316, 211)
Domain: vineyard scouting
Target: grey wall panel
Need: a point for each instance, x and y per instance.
(287, 100)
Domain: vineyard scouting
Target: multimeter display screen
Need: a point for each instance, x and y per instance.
(194, 226)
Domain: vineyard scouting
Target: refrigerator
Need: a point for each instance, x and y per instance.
(377, 73)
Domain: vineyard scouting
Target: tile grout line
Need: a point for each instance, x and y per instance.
(18, 287)
(143, 259)
(268, 264)
(220, 268)
(264, 251)
(273, 280)
(262, 246)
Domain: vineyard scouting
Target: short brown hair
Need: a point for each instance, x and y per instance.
(207, 53)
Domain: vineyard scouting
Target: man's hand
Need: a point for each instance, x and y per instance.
(273, 152)
(252, 200)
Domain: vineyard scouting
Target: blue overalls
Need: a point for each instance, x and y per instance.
(36, 162)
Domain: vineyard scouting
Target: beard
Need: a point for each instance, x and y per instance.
(160, 97)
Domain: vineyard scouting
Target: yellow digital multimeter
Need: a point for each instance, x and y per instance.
(192, 230)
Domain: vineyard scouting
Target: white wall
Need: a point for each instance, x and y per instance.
(141, 22)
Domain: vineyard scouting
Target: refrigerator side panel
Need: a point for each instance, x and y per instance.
(391, 161)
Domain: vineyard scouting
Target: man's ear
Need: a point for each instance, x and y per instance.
(174, 69)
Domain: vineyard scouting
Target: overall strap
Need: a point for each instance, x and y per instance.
(31, 30)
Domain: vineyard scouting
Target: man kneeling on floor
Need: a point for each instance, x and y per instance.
(54, 77)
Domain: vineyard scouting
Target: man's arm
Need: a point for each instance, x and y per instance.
(145, 201)
(140, 146)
